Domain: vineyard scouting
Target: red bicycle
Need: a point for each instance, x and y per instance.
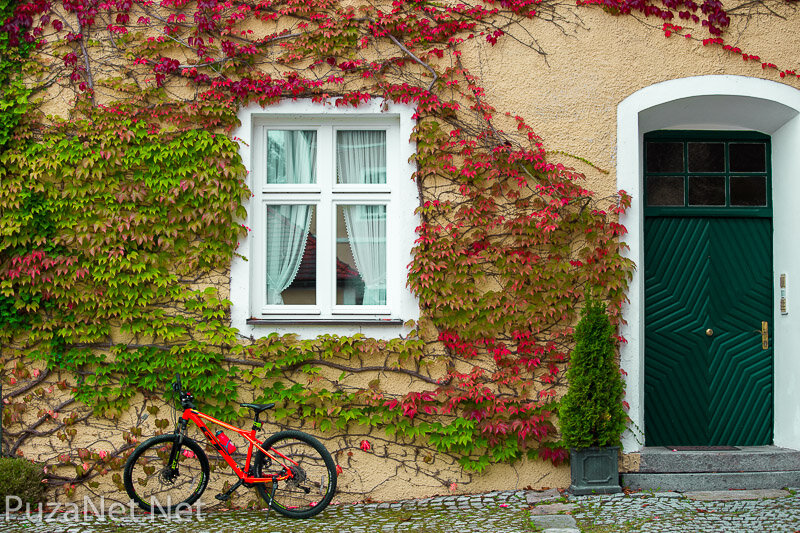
(291, 470)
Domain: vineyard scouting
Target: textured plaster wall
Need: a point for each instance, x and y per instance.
(570, 97)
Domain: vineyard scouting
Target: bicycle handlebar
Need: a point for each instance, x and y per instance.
(186, 398)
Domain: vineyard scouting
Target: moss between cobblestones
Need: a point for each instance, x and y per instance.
(469, 514)
(651, 513)
(627, 525)
(454, 514)
(534, 527)
(592, 519)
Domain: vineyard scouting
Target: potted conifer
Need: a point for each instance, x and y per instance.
(591, 413)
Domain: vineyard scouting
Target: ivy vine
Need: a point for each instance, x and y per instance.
(119, 220)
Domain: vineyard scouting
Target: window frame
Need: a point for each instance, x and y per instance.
(398, 194)
(709, 136)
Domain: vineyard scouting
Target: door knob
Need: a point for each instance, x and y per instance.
(709, 332)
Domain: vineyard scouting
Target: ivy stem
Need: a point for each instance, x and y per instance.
(32, 429)
(343, 368)
(415, 58)
(29, 386)
(89, 77)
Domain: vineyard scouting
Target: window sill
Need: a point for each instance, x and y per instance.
(322, 322)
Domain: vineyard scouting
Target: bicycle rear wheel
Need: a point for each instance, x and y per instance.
(156, 486)
(313, 484)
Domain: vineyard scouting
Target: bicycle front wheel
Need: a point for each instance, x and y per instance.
(313, 474)
(160, 487)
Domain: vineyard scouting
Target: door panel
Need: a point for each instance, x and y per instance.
(741, 371)
(676, 308)
(707, 274)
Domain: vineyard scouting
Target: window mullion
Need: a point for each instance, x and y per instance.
(258, 221)
(326, 230)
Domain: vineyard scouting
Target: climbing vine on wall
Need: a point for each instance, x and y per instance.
(14, 96)
(119, 219)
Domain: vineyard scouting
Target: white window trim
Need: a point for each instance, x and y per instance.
(400, 196)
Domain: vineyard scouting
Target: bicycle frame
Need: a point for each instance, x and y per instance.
(197, 417)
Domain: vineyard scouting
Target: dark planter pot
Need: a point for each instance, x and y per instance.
(594, 471)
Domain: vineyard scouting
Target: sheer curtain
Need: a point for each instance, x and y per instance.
(291, 158)
(361, 158)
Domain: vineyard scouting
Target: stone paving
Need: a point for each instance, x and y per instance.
(497, 511)
(671, 512)
(505, 512)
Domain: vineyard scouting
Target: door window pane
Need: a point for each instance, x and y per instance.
(707, 190)
(361, 157)
(749, 190)
(665, 190)
(748, 157)
(361, 255)
(291, 156)
(664, 157)
(291, 272)
(706, 157)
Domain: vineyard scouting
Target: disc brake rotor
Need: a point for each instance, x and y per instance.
(167, 476)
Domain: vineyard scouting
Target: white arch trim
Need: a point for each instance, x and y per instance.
(721, 103)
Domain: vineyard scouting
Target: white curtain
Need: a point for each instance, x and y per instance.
(361, 158)
(291, 158)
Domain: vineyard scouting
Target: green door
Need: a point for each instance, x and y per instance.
(708, 297)
(708, 287)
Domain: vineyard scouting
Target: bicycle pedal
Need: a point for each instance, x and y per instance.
(223, 497)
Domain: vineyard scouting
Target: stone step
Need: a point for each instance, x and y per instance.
(740, 459)
(685, 482)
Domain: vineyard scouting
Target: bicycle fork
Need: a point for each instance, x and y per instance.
(174, 454)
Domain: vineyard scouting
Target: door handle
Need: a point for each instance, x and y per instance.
(765, 335)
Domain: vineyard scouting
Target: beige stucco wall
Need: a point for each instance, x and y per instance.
(570, 98)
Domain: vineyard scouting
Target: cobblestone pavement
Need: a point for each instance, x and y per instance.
(498, 511)
(505, 512)
(768, 511)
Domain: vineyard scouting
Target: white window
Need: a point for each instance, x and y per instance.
(331, 217)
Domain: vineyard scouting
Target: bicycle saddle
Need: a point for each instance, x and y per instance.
(258, 407)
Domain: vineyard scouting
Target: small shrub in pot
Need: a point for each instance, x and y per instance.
(591, 413)
(23, 479)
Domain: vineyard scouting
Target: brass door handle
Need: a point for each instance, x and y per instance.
(710, 332)
(765, 335)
